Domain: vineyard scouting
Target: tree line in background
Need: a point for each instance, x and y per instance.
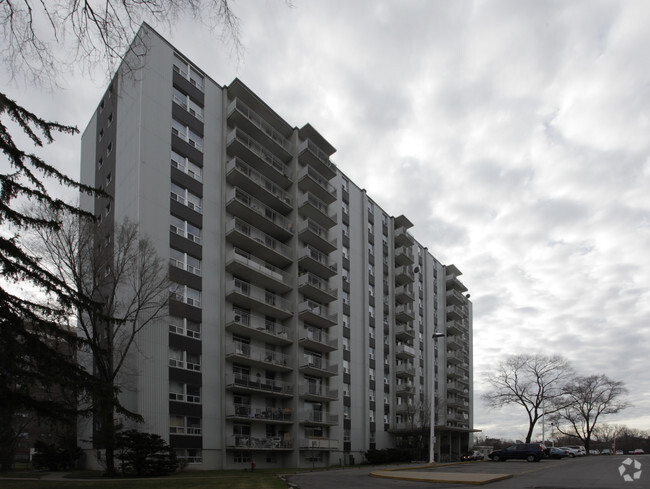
(547, 386)
(64, 288)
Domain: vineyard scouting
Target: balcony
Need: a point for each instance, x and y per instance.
(457, 356)
(404, 370)
(404, 274)
(404, 255)
(404, 331)
(249, 238)
(457, 326)
(312, 207)
(404, 312)
(405, 390)
(248, 296)
(403, 237)
(312, 233)
(317, 314)
(238, 143)
(246, 354)
(248, 442)
(405, 293)
(318, 340)
(452, 282)
(404, 351)
(242, 205)
(457, 342)
(313, 365)
(311, 391)
(249, 267)
(315, 261)
(457, 312)
(309, 180)
(455, 297)
(310, 154)
(243, 116)
(455, 386)
(455, 373)
(318, 418)
(316, 288)
(244, 383)
(262, 414)
(239, 174)
(257, 327)
(318, 443)
(457, 402)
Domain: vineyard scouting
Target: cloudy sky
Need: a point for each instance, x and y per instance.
(513, 134)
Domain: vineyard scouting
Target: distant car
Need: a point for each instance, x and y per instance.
(533, 452)
(639, 451)
(570, 452)
(619, 452)
(472, 456)
(606, 451)
(594, 451)
(555, 452)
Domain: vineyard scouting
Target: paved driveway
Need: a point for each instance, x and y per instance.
(594, 472)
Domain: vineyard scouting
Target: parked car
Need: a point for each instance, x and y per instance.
(570, 452)
(606, 451)
(639, 451)
(619, 452)
(580, 449)
(555, 452)
(533, 452)
(472, 456)
(594, 451)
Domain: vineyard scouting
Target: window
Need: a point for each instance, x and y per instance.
(184, 425)
(109, 149)
(371, 373)
(188, 72)
(346, 344)
(187, 103)
(186, 134)
(346, 435)
(186, 197)
(191, 455)
(371, 395)
(371, 311)
(178, 391)
(109, 178)
(345, 184)
(371, 353)
(346, 389)
(185, 229)
(185, 327)
(346, 321)
(371, 416)
(184, 261)
(100, 162)
(186, 166)
(185, 360)
(346, 366)
(346, 412)
(183, 293)
(371, 331)
(110, 119)
(346, 298)
(346, 252)
(345, 229)
(346, 209)
(371, 269)
(101, 134)
(345, 275)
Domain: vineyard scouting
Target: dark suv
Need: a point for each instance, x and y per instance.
(533, 452)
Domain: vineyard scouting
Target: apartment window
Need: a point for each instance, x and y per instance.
(186, 197)
(184, 425)
(186, 134)
(371, 373)
(346, 389)
(184, 261)
(371, 311)
(346, 209)
(346, 298)
(371, 353)
(185, 360)
(185, 229)
(346, 412)
(345, 184)
(371, 331)
(187, 103)
(186, 166)
(346, 366)
(346, 344)
(346, 435)
(187, 71)
(183, 293)
(371, 395)
(345, 274)
(185, 327)
(371, 290)
(345, 229)
(371, 207)
(178, 391)
(346, 252)
(371, 416)
(346, 321)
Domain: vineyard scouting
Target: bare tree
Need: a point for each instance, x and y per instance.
(126, 284)
(89, 32)
(588, 398)
(534, 382)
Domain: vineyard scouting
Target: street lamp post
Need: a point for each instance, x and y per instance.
(432, 421)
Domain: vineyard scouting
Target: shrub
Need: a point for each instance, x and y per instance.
(144, 454)
(52, 457)
(389, 456)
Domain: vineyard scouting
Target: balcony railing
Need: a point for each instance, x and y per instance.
(325, 265)
(252, 443)
(257, 354)
(236, 164)
(318, 363)
(312, 389)
(255, 263)
(259, 208)
(326, 190)
(259, 122)
(259, 413)
(318, 336)
(318, 157)
(258, 150)
(318, 443)
(262, 239)
(321, 417)
(257, 325)
(317, 311)
(254, 382)
(404, 350)
(257, 294)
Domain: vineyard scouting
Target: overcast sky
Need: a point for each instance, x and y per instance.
(514, 135)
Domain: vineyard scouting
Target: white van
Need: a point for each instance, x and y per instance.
(580, 449)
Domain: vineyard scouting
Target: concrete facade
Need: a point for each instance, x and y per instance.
(301, 317)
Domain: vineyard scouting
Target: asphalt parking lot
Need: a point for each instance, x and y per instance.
(593, 472)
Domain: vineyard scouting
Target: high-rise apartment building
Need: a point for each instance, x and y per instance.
(301, 313)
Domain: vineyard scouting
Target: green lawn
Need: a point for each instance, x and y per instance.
(260, 479)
